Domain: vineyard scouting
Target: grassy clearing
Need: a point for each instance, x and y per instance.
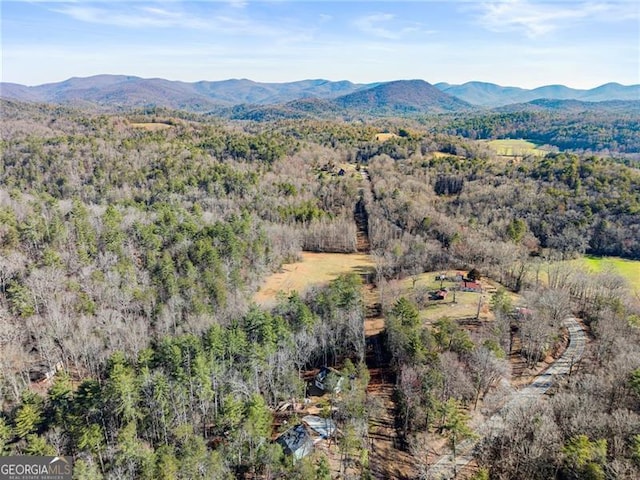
(313, 269)
(151, 126)
(515, 148)
(465, 305)
(443, 155)
(629, 269)
(349, 168)
(383, 137)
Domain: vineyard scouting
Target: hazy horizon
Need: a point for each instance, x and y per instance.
(523, 43)
(318, 78)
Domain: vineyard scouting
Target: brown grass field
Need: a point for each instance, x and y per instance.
(383, 137)
(151, 126)
(443, 155)
(313, 269)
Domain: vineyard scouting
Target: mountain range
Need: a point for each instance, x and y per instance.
(492, 95)
(128, 91)
(242, 98)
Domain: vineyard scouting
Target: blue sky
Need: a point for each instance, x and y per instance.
(524, 43)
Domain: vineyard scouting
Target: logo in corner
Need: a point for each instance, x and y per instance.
(26, 467)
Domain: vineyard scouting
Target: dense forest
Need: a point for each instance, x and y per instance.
(131, 246)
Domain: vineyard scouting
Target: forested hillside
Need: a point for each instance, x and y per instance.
(609, 128)
(132, 244)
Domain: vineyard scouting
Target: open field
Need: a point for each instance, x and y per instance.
(515, 148)
(313, 269)
(629, 269)
(151, 126)
(383, 137)
(443, 155)
(465, 305)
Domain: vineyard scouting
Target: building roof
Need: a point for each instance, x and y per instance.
(325, 427)
(296, 441)
(322, 375)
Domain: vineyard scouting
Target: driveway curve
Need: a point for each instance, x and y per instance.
(443, 469)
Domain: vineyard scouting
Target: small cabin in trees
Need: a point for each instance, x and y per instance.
(323, 428)
(296, 442)
(321, 377)
(43, 373)
(299, 440)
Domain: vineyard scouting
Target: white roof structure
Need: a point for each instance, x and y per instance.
(325, 427)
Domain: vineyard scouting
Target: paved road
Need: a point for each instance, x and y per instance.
(443, 468)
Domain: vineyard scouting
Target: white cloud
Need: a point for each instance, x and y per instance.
(372, 25)
(386, 26)
(244, 26)
(128, 17)
(536, 19)
(138, 16)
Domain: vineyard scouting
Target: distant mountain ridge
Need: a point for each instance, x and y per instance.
(573, 106)
(130, 91)
(242, 98)
(402, 96)
(492, 95)
(397, 98)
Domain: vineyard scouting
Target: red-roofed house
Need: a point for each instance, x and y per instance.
(468, 286)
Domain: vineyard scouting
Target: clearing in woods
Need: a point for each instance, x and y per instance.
(629, 269)
(444, 155)
(516, 148)
(313, 269)
(466, 305)
(150, 126)
(383, 137)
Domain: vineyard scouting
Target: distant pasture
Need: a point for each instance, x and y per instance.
(150, 126)
(383, 137)
(516, 148)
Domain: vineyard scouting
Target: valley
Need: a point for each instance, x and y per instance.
(280, 240)
(173, 282)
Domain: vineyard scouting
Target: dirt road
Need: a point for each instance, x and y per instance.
(444, 467)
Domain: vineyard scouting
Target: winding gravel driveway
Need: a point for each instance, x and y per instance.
(444, 468)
